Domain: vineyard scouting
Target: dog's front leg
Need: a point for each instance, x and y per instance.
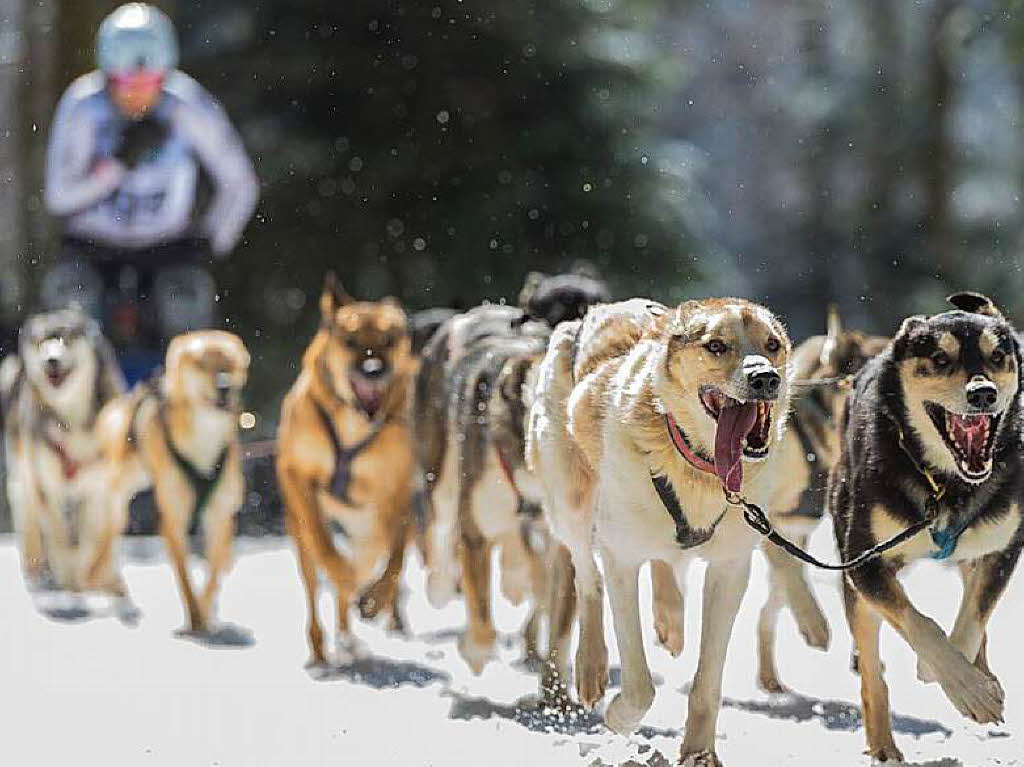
(792, 578)
(175, 503)
(667, 602)
(25, 505)
(865, 625)
(629, 706)
(561, 611)
(724, 585)
(972, 692)
(788, 585)
(172, 530)
(477, 645)
(384, 594)
(984, 580)
(218, 532)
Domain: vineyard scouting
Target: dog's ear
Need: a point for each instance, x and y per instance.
(835, 329)
(975, 303)
(530, 285)
(332, 297)
(905, 335)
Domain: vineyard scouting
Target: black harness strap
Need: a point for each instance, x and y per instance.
(687, 537)
(756, 518)
(344, 456)
(203, 484)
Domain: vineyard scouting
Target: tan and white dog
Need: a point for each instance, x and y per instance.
(51, 390)
(179, 435)
(641, 415)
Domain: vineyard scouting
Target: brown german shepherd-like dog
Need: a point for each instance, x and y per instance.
(179, 435)
(344, 457)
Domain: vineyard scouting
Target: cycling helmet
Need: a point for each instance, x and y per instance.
(136, 36)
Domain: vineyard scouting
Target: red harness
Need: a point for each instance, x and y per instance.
(69, 466)
(506, 468)
(698, 462)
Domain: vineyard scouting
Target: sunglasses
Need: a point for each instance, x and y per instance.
(138, 79)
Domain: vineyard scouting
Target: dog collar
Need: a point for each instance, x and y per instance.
(692, 457)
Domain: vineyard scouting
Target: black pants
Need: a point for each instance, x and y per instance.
(127, 275)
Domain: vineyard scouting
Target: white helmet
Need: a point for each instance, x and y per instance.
(136, 36)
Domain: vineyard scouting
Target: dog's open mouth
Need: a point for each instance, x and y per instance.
(369, 392)
(743, 430)
(56, 378)
(970, 438)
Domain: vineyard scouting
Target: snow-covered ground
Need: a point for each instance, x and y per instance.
(84, 689)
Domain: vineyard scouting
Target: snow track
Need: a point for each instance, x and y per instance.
(78, 687)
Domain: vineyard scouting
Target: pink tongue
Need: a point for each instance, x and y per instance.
(368, 394)
(972, 438)
(734, 423)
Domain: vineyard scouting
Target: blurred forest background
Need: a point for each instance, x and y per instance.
(790, 151)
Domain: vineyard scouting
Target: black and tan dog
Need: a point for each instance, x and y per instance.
(468, 428)
(179, 435)
(51, 390)
(344, 456)
(932, 436)
(641, 416)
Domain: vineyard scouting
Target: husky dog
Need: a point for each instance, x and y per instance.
(52, 389)
(932, 438)
(641, 417)
(467, 397)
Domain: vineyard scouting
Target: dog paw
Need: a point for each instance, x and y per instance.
(623, 715)
(476, 654)
(669, 627)
(349, 649)
(703, 758)
(591, 679)
(372, 602)
(127, 613)
(768, 681)
(925, 673)
(441, 589)
(814, 629)
(516, 584)
(885, 753)
(975, 694)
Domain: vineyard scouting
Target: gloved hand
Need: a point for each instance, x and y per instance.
(139, 139)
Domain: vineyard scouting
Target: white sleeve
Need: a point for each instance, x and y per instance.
(71, 185)
(223, 157)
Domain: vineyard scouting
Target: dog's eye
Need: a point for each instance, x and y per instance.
(716, 346)
(998, 356)
(940, 359)
(772, 345)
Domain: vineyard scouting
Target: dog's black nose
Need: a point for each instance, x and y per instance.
(372, 367)
(764, 382)
(52, 364)
(982, 394)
